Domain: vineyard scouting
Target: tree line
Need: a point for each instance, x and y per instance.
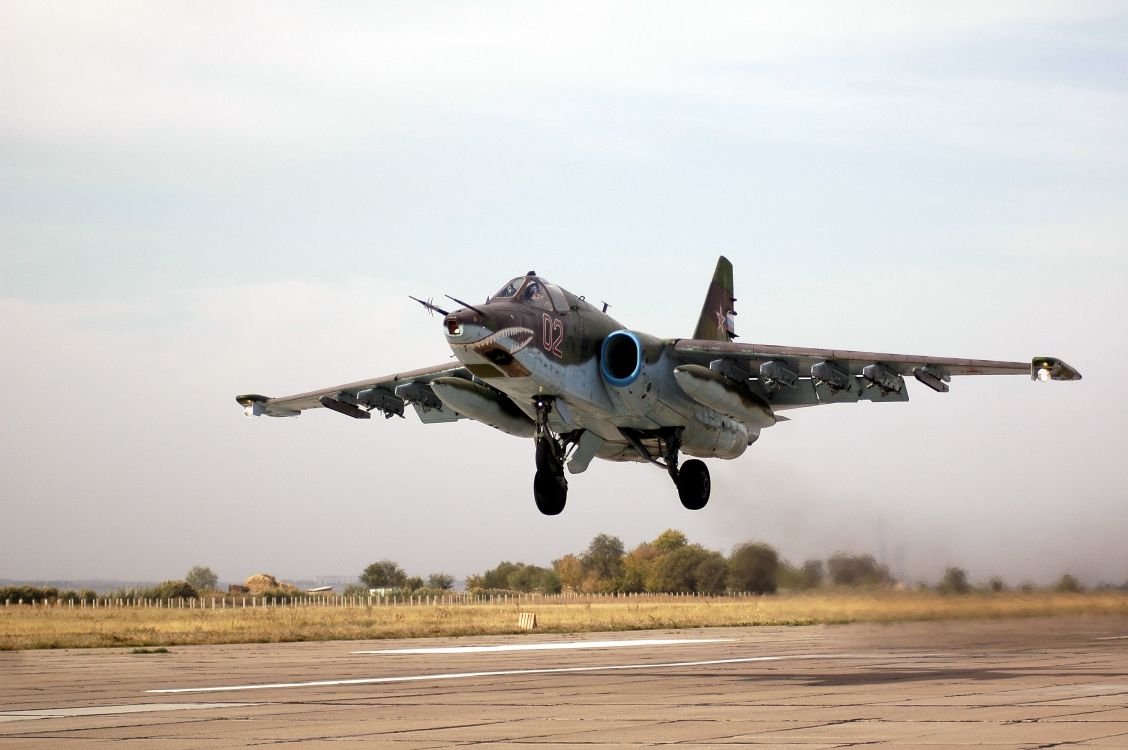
(671, 564)
(667, 564)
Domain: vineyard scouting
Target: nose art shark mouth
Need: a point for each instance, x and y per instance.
(499, 348)
(511, 340)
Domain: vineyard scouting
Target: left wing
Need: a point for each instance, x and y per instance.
(791, 377)
(387, 395)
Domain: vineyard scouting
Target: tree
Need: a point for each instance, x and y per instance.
(673, 572)
(669, 540)
(1069, 584)
(811, 574)
(440, 581)
(570, 571)
(754, 567)
(413, 584)
(687, 569)
(857, 570)
(202, 578)
(997, 585)
(954, 582)
(711, 574)
(384, 574)
(637, 567)
(604, 558)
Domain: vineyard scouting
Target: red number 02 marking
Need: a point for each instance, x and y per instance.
(552, 334)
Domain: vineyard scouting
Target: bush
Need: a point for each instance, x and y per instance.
(509, 576)
(28, 593)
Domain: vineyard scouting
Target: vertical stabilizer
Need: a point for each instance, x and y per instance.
(716, 322)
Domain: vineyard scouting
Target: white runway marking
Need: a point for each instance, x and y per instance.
(136, 708)
(522, 672)
(1112, 638)
(553, 646)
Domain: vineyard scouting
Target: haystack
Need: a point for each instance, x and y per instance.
(261, 582)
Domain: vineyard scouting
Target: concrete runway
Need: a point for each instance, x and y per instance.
(1004, 683)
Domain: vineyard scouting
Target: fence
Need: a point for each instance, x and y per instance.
(275, 602)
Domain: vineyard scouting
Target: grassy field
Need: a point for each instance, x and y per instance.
(29, 627)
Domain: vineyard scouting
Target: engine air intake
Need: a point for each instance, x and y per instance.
(620, 360)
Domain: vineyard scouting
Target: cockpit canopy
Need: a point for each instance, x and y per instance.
(535, 291)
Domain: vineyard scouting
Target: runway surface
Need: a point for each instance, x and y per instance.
(1043, 683)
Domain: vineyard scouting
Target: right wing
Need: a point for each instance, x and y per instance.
(790, 377)
(386, 395)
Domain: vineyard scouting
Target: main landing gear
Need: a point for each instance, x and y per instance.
(550, 488)
(691, 478)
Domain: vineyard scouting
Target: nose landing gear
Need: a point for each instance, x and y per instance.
(550, 488)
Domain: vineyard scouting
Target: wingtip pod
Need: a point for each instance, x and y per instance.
(255, 405)
(1052, 368)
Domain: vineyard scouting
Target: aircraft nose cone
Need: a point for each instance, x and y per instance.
(462, 326)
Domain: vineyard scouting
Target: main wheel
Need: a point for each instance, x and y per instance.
(694, 484)
(550, 490)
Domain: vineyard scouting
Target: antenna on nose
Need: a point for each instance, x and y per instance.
(431, 308)
(464, 304)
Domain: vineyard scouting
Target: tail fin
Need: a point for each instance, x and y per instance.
(716, 322)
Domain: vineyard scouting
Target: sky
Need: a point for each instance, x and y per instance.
(205, 199)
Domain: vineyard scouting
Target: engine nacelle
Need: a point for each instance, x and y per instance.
(483, 404)
(725, 395)
(631, 385)
(712, 435)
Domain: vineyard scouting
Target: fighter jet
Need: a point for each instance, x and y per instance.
(536, 361)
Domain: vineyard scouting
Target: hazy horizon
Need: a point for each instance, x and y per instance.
(200, 201)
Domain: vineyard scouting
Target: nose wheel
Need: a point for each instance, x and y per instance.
(550, 488)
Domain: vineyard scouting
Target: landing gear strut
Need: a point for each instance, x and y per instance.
(550, 488)
(691, 479)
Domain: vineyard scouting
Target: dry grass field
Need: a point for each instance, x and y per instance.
(35, 627)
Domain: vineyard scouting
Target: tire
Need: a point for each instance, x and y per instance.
(694, 484)
(550, 492)
(547, 458)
